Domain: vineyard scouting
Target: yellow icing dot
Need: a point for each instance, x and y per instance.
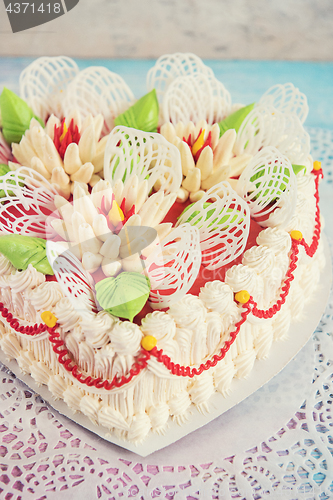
(242, 297)
(198, 143)
(296, 235)
(61, 138)
(148, 342)
(116, 214)
(316, 165)
(49, 319)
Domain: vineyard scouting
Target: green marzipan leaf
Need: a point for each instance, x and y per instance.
(235, 120)
(143, 115)
(16, 116)
(298, 168)
(123, 296)
(24, 250)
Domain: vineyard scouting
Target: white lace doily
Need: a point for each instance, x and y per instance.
(277, 444)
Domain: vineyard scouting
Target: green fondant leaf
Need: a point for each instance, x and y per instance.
(25, 250)
(16, 116)
(235, 120)
(298, 168)
(123, 296)
(143, 115)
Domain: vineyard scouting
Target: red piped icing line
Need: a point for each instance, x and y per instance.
(311, 250)
(176, 369)
(15, 324)
(188, 371)
(251, 305)
(99, 383)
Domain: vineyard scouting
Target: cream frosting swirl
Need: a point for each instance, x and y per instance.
(126, 338)
(140, 426)
(45, 296)
(159, 415)
(24, 280)
(67, 317)
(202, 389)
(276, 239)
(161, 325)
(97, 328)
(217, 296)
(111, 418)
(261, 259)
(241, 277)
(189, 312)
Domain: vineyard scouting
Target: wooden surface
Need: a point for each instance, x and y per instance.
(217, 29)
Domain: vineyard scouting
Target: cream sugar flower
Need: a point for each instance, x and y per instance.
(206, 158)
(95, 227)
(64, 152)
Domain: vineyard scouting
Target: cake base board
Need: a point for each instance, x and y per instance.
(263, 371)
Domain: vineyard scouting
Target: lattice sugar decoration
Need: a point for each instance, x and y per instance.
(171, 66)
(223, 221)
(287, 99)
(27, 200)
(74, 281)
(173, 266)
(43, 84)
(267, 184)
(266, 126)
(194, 98)
(147, 155)
(96, 90)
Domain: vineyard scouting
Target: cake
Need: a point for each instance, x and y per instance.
(151, 250)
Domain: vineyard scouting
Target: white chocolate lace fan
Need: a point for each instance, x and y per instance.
(173, 266)
(27, 200)
(287, 99)
(43, 84)
(97, 90)
(223, 224)
(194, 98)
(74, 281)
(268, 184)
(149, 156)
(171, 66)
(266, 126)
